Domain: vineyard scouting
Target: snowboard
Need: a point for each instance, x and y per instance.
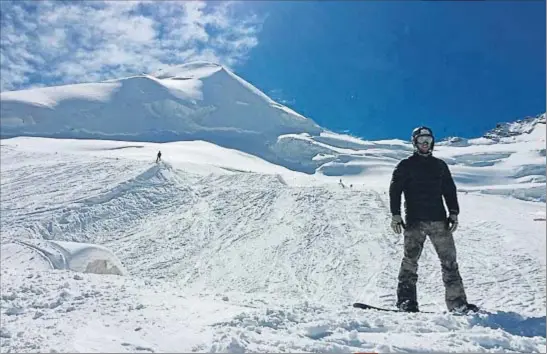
(363, 306)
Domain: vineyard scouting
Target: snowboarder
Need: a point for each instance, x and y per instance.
(425, 180)
(158, 158)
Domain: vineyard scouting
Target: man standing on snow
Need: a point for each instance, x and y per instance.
(425, 180)
(158, 157)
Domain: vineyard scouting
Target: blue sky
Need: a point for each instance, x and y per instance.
(372, 69)
(378, 69)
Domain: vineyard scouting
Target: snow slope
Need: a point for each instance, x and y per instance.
(226, 252)
(195, 101)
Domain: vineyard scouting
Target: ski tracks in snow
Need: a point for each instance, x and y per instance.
(287, 261)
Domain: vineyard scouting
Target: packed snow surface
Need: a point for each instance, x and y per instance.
(225, 252)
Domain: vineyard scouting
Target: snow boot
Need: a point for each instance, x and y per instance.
(465, 308)
(408, 306)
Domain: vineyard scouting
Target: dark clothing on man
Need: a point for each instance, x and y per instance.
(424, 180)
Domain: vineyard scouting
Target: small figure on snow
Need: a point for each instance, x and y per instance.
(425, 180)
(158, 158)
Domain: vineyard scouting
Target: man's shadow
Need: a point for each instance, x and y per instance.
(512, 323)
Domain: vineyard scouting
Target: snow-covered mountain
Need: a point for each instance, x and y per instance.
(205, 101)
(192, 98)
(196, 101)
(255, 238)
(523, 128)
(528, 129)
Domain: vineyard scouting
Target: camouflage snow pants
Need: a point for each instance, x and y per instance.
(443, 241)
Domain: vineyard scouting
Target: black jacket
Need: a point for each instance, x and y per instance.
(424, 180)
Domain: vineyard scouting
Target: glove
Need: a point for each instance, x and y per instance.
(452, 222)
(397, 223)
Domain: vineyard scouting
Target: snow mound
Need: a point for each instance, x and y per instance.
(47, 254)
(89, 258)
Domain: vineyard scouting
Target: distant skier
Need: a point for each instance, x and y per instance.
(158, 158)
(425, 180)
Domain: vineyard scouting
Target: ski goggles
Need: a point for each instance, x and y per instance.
(422, 139)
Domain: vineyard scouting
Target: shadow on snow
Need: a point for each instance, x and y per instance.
(512, 323)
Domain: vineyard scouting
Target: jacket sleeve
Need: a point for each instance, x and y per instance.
(449, 190)
(396, 188)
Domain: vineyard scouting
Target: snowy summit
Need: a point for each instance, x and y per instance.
(255, 231)
(195, 101)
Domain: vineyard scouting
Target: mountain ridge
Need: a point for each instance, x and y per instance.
(203, 101)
